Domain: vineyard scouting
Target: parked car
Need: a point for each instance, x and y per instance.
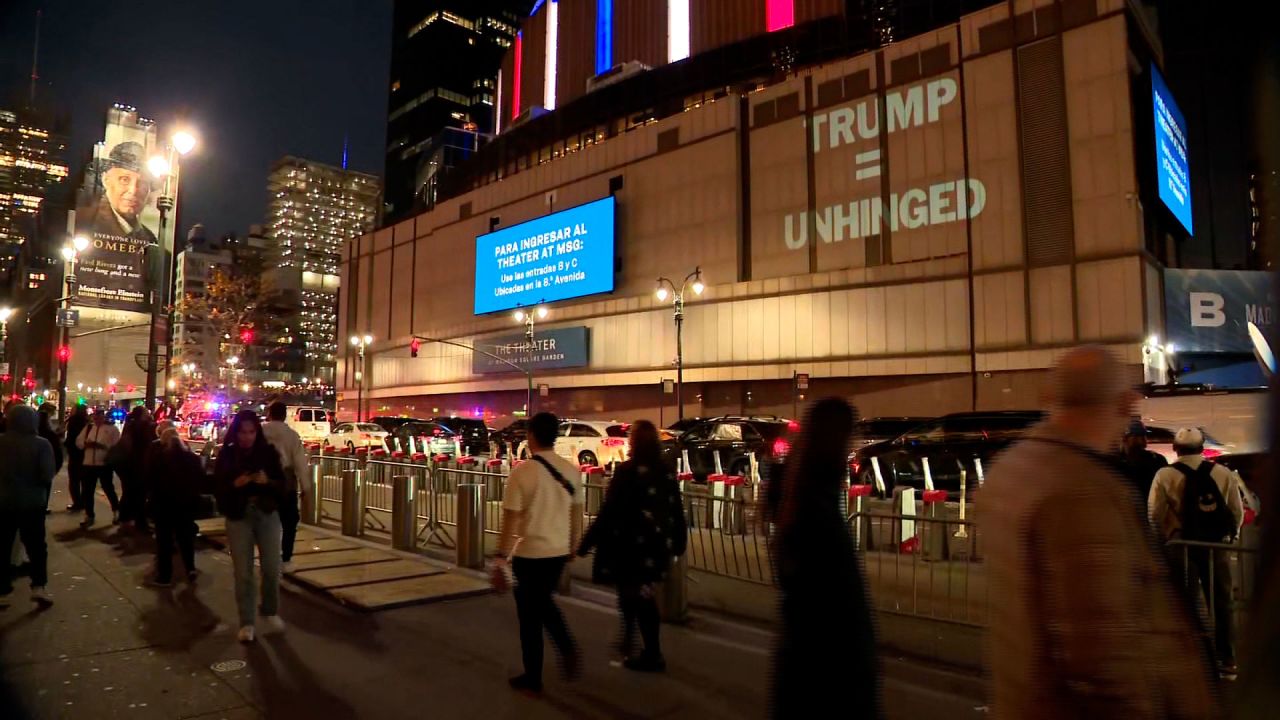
(734, 437)
(424, 436)
(877, 429)
(356, 435)
(950, 443)
(589, 442)
(473, 433)
(1160, 440)
(511, 436)
(313, 424)
(390, 422)
(679, 427)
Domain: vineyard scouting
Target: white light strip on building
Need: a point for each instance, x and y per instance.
(497, 109)
(553, 25)
(677, 30)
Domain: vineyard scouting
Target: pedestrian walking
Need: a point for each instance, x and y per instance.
(138, 434)
(541, 496)
(1199, 501)
(1139, 464)
(172, 474)
(250, 484)
(45, 429)
(76, 424)
(825, 654)
(96, 440)
(293, 458)
(639, 530)
(26, 477)
(1084, 619)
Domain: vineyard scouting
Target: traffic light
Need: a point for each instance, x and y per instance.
(246, 336)
(414, 345)
(64, 353)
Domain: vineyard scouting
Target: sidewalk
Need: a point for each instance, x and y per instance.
(112, 647)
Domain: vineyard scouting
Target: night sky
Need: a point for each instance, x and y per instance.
(257, 79)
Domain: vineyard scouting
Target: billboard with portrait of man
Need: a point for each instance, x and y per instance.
(116, 210)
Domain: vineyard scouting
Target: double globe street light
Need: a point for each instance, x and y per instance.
(70, 254)
(667, 289)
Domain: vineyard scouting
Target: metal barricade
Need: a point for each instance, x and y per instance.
(739, 551)
(1220, 580)
(331, 466)
(378, 472)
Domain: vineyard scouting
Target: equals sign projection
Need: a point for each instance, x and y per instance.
(866, 165)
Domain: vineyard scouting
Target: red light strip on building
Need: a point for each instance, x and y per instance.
(779, 14)
(515, 77)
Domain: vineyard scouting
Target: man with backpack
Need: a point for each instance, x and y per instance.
(1199, 501)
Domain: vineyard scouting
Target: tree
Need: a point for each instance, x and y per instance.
(234, 301)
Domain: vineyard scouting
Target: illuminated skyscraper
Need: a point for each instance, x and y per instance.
(313, 211)
(32, 168)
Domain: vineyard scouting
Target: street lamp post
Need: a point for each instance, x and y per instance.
(527, 318)
(360, 343)
(70, 253)
(677, 295)
(5, 313)
(165, 167)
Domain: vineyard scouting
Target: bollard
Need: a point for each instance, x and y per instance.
(673, 592)
(859, 493)
(311, 495)
(404, 517)
(594, 494)
(933, 541)
(470, 545)
(732, 515)
(352, 502)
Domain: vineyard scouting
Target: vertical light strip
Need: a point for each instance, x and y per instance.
(553, 32)
(515, 76)
(497, 108)
(677, 30)
(604, 35)
(779, 14)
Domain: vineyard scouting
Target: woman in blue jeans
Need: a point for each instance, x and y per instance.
(250, 484)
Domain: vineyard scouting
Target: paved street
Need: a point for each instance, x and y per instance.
(112, 647)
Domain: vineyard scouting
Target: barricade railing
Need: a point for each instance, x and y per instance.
(1220, 580)
(723, 537)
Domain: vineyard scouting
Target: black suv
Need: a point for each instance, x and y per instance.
(735, 437)
(950, 443)
(876, 429)
(473, 433)
(509, 438)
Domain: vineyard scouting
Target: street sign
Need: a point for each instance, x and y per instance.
(668, 386)
(802, 381)
(4, 368)
(160, 330)
(68, 317)
(544, 390)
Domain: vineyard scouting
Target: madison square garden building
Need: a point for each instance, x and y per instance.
(920, 226)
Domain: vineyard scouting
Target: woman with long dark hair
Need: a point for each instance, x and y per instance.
(250, 484)
(826, 650)
(638, 531)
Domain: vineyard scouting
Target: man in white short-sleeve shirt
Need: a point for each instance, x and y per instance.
(541, 496)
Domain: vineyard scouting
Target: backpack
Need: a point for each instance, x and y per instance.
(1205, 517)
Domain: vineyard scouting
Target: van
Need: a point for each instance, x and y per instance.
(313, 424)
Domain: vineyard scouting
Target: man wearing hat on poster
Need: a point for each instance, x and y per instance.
(1140, 465)
(126, 188)
(1199, 501)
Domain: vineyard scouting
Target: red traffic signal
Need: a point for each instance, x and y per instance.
(414, 345)
(64, 353)
(246, 336)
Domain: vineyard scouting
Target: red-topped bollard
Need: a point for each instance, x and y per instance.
(378, 453)
(493, 463)
(441, 458)
(418, 457)
(592, 476)
(466, 460)
(362, 451)
(517, 463)
(856, 494)
(934, 537)
(398, 454)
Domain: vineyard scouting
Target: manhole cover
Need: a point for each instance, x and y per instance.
(227, 666)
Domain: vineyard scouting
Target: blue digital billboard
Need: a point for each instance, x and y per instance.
(564, 255)
(1172, 171)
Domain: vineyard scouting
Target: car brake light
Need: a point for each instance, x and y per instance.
(793, 426)
(614, 442)
(781, 448)
(853, 465)
(1210, 453)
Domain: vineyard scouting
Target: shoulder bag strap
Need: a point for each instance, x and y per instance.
(568, 487)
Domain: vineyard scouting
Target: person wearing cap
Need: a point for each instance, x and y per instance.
(1168, 511)
(126, 188)
(1084, 619)
(1140, 464)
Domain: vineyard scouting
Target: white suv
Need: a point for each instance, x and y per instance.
(592, 442)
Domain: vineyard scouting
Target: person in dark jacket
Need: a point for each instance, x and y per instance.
(250, 484)
(138, 434)
(26, 476)
(826, 646)
(1139, 464)
(46, 431)
(638, 531)
(172, 474)
(76, 424)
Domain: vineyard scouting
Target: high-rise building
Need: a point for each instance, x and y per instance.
(32, 167)
(445, 56)
(313, 211)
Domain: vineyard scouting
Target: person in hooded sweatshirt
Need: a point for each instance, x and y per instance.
(26, 476)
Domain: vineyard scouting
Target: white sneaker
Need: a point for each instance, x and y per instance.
(246, 634)
(40, 596)
(272, 625)
(287, 567)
